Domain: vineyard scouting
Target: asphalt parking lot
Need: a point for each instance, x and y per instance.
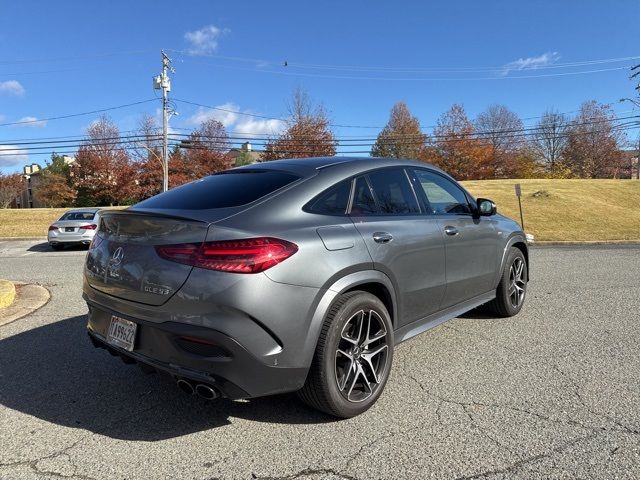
(551, 393)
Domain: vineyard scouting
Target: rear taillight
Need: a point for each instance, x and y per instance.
(52, 228)
(250, 255)
(89, 227)
(95, 242)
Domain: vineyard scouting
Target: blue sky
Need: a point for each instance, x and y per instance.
(357, 57)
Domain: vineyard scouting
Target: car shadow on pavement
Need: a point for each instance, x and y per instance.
(45, 247)
(53, 373)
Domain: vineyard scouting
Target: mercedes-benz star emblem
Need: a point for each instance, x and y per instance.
(118, 255)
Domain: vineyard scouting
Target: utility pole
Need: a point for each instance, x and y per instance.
(162, 82)
(637, 104)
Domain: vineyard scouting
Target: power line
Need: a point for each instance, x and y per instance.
(338, 125)
(60, 117)
(291, 147)
(79, 58)
(408, 69)
(406, 79)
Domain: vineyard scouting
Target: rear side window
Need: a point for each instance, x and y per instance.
(78, 216)
(334, 201)
(393, 192)
(222, 190)
(363, 201)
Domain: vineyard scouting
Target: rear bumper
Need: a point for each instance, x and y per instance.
(56, 238)
(222, 362)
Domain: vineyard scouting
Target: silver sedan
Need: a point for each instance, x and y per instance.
(75, 227)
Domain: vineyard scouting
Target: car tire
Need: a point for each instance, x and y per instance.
(57, 246)
(512, 289)
(351, 365)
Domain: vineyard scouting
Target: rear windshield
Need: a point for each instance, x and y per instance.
(78, 216)
(226, 189)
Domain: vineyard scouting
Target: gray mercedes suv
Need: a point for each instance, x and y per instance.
(297, 275)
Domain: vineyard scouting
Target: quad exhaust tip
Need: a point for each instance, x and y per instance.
(201, 389)
(185, 386)
(205, 391)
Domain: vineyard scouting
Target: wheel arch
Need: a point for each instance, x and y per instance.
(371, 281)
(520, 242)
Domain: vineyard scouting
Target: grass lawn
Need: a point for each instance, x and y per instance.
(571, 210)
(560, 210)
(28, 222)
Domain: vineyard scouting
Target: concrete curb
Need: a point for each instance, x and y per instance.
(556, 243)
(44, 239)
(29, 298)
(7, 293)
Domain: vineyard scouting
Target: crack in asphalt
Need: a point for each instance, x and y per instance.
(33, 464)
(307, 472)
(466, 406)
(534, 458)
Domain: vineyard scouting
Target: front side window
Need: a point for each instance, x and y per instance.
(442, 195)
(393, 192)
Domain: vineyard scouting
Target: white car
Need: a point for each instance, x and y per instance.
(75, 227)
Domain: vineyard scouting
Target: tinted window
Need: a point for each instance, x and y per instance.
(78, 216)
(332, 202)
(227, 189)
(443, 196)
(363, 202)
(393, 192)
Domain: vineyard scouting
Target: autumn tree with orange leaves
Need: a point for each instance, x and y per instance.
(593, 144)
(103, 173)
(203, 153)
(402, 137)
(308, 132)
(11, 185)
(457, 150)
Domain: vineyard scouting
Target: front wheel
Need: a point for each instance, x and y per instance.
(512, 288)
(353, 357)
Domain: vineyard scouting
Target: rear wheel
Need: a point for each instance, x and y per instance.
(512, 288)
(353, 357)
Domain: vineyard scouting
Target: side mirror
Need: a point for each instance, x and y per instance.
(486, 207)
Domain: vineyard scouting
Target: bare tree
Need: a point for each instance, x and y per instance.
(503, 130)
(549, 139)
(146, 151)
(308, 133)
(401, 137)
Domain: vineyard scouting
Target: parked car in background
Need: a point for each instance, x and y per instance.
(75, 227)
(297, 275)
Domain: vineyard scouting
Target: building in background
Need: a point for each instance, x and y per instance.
(244, 155)
(32, 175)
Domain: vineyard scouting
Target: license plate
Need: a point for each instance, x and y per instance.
(122, 333)
(69, 229)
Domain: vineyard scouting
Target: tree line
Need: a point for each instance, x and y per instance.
(111, 169)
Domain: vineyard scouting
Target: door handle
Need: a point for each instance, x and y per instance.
(449, 230)
(382, 237)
